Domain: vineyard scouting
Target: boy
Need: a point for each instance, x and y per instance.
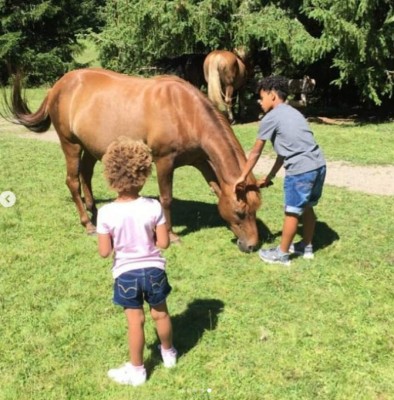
(304, 164)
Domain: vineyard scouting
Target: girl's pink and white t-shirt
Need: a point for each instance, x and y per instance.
(131, 225)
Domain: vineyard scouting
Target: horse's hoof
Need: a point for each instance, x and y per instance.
(174, 239)
(91, 229)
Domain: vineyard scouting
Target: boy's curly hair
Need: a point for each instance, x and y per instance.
(277, 83)
(127, 164)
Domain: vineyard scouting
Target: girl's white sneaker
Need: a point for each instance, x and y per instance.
(168, 356)
(128, 375)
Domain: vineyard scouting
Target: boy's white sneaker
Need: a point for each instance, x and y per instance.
(128, 375)
(300, 249)
(168, 356)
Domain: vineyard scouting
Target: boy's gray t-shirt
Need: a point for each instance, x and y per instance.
(292, 139)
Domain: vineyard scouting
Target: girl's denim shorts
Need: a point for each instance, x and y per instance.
(133, 287)
(303, 190)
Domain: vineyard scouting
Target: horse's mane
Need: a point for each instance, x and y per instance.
(218, 118)
(242, 53)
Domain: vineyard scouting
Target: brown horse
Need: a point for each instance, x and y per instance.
(90, 108)
(226, 72)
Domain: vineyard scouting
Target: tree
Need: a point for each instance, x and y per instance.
(42, 36)
(352, 40)
(360, 35)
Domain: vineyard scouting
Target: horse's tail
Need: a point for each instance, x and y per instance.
(39, 122)
(215, 92)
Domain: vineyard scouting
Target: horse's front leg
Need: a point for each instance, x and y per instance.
(165, 177)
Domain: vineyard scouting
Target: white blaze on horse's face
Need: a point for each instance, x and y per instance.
(241, 218)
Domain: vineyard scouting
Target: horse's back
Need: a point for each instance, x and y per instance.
(95, 106)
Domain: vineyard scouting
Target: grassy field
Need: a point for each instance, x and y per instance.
(321, 329)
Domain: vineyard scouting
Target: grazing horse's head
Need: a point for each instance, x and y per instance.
(239, 210)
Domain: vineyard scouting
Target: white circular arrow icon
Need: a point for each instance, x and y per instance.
(7, 199)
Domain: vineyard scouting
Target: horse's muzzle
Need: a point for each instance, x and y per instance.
(245, 248)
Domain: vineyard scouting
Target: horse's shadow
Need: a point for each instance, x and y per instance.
(194, 215)
(188, 328)
(191, 216)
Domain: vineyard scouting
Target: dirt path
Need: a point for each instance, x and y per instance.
(372, 180)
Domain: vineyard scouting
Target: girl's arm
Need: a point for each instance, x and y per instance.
(104, 244)
(162, 236)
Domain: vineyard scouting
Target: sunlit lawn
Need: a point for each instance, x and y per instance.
(321, 329)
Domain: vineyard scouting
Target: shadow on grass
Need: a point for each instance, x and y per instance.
(195, 215)
(188, 328)
(324, 236)
(189, 214)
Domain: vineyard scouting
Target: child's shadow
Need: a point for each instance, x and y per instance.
(188, 327)
(324, 236)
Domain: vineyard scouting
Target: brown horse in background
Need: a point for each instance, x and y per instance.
(226, 73)
(90, 108)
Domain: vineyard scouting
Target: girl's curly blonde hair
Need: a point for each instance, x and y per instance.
(127, 164)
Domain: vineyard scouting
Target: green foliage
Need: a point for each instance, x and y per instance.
(360, 33)
(138, 33)
(354, 38)
(41, 37)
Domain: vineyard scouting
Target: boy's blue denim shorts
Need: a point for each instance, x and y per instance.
(303, 190)
(133, 287)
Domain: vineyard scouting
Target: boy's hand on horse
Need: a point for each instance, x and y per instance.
(264, 182)
(240, 184)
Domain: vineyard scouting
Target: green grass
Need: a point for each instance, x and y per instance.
(321, 329)
(89, 55)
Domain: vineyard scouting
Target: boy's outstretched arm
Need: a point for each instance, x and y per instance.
(250, 163)
(274, 170)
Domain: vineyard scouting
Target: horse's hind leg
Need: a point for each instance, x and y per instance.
(86, 173)
(228, 99)
(72, 152)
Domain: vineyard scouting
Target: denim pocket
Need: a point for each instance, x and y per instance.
(127, 288)
(159, 282)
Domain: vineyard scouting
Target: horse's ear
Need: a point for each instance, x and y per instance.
(216, 188)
